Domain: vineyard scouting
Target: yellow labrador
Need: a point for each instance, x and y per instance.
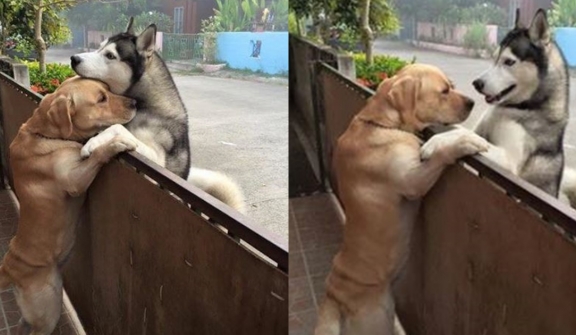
(50, 180)
(380, 178)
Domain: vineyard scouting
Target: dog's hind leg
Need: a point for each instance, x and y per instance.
(390, 310)
(376, 321)
(329, 318)
(5, 281)
(40, 304)
(379, 319)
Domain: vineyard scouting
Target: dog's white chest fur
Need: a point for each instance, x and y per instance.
(508, 135)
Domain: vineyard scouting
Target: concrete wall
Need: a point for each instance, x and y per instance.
(453, 35)
(566, 39)
(239, 50)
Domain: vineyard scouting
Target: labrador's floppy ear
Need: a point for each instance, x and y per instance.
(129, 27)
(60, 114)
(402, 94)
(146, 41)
(539, 30)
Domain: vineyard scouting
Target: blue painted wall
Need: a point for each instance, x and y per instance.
(566, 39)
(240, 50)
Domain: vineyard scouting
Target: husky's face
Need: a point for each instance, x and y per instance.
(120, 61)
(521, 61)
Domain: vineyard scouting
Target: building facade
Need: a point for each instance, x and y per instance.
(188, 14)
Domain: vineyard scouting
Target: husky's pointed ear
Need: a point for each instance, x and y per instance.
(60, 114)
(129, 27)
(539, 30)
(517, 23)
(146, 41)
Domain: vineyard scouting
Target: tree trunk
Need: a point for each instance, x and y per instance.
(298, 27)
(40, 43)
(367, 35)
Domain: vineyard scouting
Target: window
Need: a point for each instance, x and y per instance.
(178, 20)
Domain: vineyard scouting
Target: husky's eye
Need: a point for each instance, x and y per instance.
(110, 55)
(446, 90)
(509, 62)
(103, 98)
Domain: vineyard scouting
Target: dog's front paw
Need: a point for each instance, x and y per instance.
(470, 144)
(431, 147)
(94, 143)
(116, 145)
(122, 143)
(105, 137)
(451, 145)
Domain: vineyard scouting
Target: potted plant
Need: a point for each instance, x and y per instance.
(383, 67)
(48, 82)
(563, 17)
(210, 28)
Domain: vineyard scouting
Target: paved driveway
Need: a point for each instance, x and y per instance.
(241, 128)
(462, 71)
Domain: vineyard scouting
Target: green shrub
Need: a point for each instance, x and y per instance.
(47, 82)
(476, 38)
(563, 13)
(383, 67)
(292, 24)
(349, 39)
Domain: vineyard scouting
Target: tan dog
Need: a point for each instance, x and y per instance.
(50, 180)
(380, 176)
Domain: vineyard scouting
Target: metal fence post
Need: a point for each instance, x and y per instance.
(318, 108)
(346, 66)
(21, 74)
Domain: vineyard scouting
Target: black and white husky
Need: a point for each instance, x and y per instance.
(528, 88)
(130, 65)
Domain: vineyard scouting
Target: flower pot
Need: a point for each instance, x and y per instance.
(565, 38)
(211, 67)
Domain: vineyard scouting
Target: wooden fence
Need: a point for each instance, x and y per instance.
(304, 95)
(490, 253)
(149, 258)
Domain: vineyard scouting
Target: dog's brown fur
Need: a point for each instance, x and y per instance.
(379, 170)
(50, 180)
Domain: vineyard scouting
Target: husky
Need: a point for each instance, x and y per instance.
(130, 66)
(528, 88)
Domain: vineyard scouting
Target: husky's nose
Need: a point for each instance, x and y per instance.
(75, 60)
(478, 85)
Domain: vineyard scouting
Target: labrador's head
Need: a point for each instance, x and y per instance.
(81, 107)
(423, 96)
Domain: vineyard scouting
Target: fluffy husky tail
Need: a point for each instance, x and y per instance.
(219, 186)
(568, 187)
